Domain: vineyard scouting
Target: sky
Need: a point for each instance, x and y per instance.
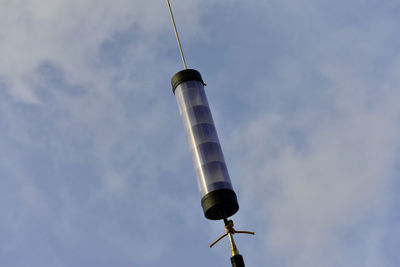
(94, 165)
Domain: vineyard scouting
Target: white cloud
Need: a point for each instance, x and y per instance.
(69, 34)
(322, 204)
(324, 197)
(312, 158)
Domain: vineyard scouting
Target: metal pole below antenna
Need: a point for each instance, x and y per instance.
(177, 36)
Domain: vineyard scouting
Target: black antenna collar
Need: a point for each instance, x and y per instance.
(185, 75)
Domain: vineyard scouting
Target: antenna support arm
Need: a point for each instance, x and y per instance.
(236, 259)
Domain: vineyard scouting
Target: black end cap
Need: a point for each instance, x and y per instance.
(218, 203)
(185, 75)
(237, 261)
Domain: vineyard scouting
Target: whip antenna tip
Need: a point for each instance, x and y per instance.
(177, 35)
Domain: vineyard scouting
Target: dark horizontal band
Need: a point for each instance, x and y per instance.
(183, 76)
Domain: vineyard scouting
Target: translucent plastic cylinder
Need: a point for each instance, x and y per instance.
(218, 200)
(208, 159)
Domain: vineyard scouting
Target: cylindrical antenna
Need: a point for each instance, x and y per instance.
(177, 36)
(218, 199)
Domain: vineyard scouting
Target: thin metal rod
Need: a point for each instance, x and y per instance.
(177, 36)
(234, 249)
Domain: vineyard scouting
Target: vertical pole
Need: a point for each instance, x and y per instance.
(236, 259)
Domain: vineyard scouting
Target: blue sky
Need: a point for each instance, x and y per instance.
(94, 165)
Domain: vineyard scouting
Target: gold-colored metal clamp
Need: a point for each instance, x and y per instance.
(231, 231)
